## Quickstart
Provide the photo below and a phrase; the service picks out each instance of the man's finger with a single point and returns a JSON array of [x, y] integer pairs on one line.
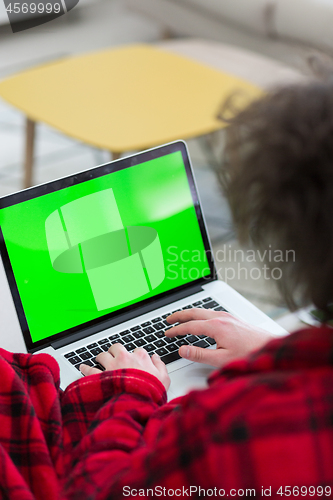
[[140, 351], [190, 315], [161, 367], [89, 370], [158, 362], [116, 349], [212, 357], [105, 359], [195, 327]]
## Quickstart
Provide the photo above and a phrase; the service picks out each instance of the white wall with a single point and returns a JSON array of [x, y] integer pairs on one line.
[[3, 14]]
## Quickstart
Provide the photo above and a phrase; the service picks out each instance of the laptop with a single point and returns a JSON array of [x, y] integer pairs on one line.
[[106, 255]]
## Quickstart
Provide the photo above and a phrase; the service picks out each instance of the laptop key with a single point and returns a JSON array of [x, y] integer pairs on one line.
[[159, 326], [150, 338], [176, 310], [130, 346], [91, 346], [198, 303], [220, 308], [149, 329], [87, 362], [211, 305], [160, 343], [162, 351], [82, 349], [118, 341], [181, 342], [188, 307], [103, 341], [160, 334], [172, 347], [125, 332], [191, 339], [128, 338], [166, 315], [114, 337], [74, 360], [106, 347], [166, 323], [95, 351], [149, 347], [99, 366], [210, 341], [138, 334], [147, 323], [139, 342], [172, 356], [156, 320], [201, 343], [135, 328], [69, 354], [169, 340], [86, 355], [207, 299]]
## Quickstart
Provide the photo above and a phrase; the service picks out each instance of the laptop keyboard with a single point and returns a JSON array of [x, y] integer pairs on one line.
[[150, 335]]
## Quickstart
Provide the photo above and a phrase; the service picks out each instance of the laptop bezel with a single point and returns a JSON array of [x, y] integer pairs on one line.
[[78, 178]]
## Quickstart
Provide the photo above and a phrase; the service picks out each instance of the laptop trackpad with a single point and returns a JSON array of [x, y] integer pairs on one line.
[[193, 376]]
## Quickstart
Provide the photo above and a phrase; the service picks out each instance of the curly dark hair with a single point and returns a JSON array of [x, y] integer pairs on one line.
[[278, 178]]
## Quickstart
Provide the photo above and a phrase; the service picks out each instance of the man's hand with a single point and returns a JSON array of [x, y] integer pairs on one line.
[[234, 338], [118, 357]]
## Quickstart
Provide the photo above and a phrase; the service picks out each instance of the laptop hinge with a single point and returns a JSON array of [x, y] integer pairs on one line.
[[125, 317]]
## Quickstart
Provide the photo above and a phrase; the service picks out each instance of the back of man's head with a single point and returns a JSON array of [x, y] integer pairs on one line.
[[279, 156]]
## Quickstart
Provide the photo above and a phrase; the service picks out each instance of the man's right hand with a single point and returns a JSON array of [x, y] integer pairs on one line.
[[234, 338]]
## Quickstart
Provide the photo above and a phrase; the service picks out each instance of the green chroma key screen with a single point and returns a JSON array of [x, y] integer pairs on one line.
[[93, 248]]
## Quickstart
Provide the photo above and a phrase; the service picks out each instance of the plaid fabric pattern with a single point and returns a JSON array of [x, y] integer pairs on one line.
[[265, 421], [30, 426]]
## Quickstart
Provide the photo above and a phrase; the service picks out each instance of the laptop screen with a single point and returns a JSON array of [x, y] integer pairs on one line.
[[81, 249]]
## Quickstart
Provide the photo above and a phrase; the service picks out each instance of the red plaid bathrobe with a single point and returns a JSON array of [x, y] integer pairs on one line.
[[265, 421]]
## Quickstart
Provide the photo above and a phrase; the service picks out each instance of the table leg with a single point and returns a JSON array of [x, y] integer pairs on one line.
[[114, 156], [29, 151], [166, 33]]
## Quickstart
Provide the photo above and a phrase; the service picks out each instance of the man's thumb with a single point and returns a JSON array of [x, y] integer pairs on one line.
[[207, 356]]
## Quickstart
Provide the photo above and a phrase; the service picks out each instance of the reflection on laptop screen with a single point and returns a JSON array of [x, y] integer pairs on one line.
[[93, 248]]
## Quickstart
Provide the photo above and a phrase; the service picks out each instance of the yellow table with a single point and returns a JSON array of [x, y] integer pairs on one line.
[[124, 99]]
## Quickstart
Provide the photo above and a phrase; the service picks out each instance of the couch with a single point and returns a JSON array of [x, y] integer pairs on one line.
[[282, 29]]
